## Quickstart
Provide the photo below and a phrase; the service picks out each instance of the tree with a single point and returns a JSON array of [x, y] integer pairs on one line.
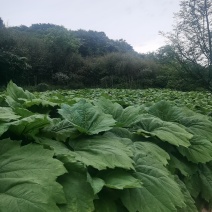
[[191, 38], [13, 67], [1, 24], [93, 43]]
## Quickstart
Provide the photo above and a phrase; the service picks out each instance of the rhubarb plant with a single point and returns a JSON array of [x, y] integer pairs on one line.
[[84, 155]]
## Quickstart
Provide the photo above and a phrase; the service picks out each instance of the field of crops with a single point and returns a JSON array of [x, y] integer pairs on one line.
[[200, 102], [105, 150]]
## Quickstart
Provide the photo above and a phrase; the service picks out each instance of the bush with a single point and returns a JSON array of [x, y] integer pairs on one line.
[[42, 87], [61, 78]]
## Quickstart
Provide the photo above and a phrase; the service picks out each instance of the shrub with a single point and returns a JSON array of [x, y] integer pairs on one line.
[[42, 87]]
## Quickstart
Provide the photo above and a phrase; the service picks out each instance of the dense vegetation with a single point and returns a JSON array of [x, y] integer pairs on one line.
[[74, 154], [50, 54], [111, 149], [191, 38], [197, 101]]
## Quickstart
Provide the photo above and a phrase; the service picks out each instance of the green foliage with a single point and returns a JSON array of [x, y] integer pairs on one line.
[[165, 131], [29, 184], [124, 117], [61, 78], [115, 154], [54, 55], [198, 101], [96, 155], [42, 87], [97, 43], [86, 118], [191, 40], [17, 93], [81, 196], [12, 67], [156, 181]]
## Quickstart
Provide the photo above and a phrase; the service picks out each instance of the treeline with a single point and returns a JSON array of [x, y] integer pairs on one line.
[[53, 55]]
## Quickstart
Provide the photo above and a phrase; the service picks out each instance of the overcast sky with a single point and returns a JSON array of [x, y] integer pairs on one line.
[[136, 21]]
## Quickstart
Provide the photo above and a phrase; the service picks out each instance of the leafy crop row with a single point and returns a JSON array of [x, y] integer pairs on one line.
[[199, 101], [84, 156]]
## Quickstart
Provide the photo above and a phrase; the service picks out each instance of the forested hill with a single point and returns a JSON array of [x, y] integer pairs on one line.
[[54, 55], [30, 55], [86, 43]]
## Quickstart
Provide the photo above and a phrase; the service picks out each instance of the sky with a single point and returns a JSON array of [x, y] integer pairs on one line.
[[138, 22]]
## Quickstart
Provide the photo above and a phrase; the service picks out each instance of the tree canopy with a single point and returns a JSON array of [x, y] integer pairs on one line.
[[51, 54], [191, 38]]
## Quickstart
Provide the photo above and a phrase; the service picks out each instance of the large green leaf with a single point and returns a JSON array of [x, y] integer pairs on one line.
[[205, 175], [165, 131], [200, 150], [109, 107], [102, 152], [124, 117], [198, 125], [21, 100], [29, 125], [185, 167], [7, 115], [189, 201], [151, 148], [40, 106], [18, 108], [28, 178], [193, 184], [58, 147], [166, 111], [119, 179], [122, 132], [195, 123], [87, 118], [200, 183], [60, 130], [78, 191], [3, 127], [96, 183], [17, 93], [12, 103], [38, 102], [159, 190]]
